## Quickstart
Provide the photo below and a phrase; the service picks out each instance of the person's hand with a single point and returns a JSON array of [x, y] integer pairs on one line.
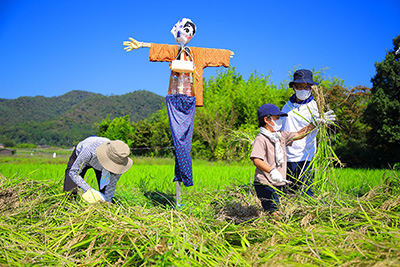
[[276, 176], [93, 196], [329, 118], [132, 44]]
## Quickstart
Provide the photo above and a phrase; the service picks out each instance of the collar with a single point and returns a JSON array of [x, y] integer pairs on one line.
[[294, 100], [273, 136]]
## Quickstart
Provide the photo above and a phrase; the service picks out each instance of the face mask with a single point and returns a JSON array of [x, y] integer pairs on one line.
[[302, 94], [277, 126]]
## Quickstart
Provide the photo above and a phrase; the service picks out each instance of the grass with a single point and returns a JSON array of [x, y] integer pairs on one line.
[[39, 226], [158, 173], [359, 182], [353, 220]]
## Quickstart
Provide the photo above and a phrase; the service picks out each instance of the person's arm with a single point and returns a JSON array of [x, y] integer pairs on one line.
[[79, 163], [276, 176], [328, 118], [134, 44], [261, 165], [304, 132]]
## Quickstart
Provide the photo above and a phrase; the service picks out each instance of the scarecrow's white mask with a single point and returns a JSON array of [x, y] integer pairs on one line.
[[183, 31]]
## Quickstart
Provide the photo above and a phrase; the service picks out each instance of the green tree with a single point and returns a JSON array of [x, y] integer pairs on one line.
[[160, 139], [102, 127], [230, 104], [218, 115], [119, 129], [151, 137], [349, 139], [383, 111], [140, 143]]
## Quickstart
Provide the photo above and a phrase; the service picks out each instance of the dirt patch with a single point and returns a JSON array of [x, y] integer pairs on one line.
[[239, 213], [8, 196], [8, 199], [240, 205]]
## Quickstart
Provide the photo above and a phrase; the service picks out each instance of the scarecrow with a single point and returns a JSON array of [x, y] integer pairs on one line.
[[185, 90]]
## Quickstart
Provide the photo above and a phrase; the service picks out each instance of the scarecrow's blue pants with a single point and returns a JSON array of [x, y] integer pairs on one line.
[[181, 110]]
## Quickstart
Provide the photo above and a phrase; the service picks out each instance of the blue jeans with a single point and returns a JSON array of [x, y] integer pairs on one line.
[[268, 196], [301, 175]]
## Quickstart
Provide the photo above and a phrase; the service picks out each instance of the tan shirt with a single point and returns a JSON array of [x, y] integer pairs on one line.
[[202, 57], [264, 149]]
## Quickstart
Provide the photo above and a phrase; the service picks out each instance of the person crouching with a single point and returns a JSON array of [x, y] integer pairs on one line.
[[109, 159]]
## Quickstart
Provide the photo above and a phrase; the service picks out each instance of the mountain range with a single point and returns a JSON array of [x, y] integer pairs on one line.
[[64, 120]]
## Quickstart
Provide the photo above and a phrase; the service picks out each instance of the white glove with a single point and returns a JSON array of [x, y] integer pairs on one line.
[[329, 118], [93, 196], [276, 176], [132, 44]]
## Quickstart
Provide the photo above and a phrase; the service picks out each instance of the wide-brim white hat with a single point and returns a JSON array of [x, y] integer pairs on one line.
[[114, 156]]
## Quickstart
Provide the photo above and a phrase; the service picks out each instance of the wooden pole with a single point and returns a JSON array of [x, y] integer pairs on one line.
[[178, 194]]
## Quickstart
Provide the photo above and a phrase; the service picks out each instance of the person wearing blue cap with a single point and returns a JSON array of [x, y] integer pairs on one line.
[[269, 155], [301, 109]]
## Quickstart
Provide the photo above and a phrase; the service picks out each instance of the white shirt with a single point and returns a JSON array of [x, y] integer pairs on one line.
[[299, 116]]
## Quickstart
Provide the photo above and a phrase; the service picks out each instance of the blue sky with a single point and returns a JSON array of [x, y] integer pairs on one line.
[[49, 48]]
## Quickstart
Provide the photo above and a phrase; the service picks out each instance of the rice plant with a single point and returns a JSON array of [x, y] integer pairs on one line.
[[226, 227]]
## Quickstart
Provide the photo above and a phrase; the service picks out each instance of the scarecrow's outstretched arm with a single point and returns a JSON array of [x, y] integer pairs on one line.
[[133, 44]]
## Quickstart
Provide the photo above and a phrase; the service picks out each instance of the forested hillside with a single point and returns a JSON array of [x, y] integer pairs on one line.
[[65, 119], [39, 108]]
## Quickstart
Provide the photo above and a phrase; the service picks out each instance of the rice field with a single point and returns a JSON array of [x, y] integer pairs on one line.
[[157, 174], [353, 221]]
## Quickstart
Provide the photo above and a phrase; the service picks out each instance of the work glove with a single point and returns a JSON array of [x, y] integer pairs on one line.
[[276, 176], [132, 44], [329, 118], [93, 196]]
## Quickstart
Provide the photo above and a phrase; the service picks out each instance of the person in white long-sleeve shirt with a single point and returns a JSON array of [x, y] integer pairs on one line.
[[301, 109], [109, 159]]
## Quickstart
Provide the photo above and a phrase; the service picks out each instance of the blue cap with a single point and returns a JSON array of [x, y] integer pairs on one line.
[[269, 109], [302, 76]]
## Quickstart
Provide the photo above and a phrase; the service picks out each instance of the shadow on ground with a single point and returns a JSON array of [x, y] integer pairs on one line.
[[160, 199]]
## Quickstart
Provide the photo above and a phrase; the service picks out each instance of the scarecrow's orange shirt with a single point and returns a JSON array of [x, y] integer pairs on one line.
[[202, 57]]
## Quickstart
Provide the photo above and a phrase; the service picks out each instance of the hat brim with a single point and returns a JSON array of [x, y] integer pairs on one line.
[[108, 164], [280, 114], [302, 81]]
